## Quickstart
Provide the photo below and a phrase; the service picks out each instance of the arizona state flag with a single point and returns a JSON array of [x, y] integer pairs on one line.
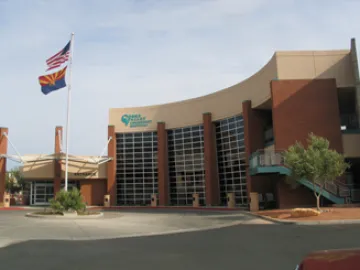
[[52, 82]]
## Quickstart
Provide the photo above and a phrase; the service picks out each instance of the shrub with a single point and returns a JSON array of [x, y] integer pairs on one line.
[[304, 212], [67, 200]]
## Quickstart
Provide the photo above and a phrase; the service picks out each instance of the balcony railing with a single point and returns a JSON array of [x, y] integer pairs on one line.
[[355, 195], [269, 158], [266, 159]]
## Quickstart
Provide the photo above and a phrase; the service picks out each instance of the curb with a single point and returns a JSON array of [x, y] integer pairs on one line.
[[274, 220], [169, 207], [31, 215], [238, 209], [328, 222], [304, 223], [12, 208]]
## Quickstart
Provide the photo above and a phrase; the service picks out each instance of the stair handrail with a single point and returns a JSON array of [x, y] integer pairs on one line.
[[264, 157]]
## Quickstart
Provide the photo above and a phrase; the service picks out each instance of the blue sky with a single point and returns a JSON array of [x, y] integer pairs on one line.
[[143, 52]]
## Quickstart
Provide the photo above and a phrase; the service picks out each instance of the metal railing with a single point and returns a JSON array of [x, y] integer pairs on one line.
[[349, 121], [355, 194], [268, 158]]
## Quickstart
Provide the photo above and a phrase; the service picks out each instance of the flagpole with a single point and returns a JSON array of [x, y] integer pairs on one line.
[[68, 112]]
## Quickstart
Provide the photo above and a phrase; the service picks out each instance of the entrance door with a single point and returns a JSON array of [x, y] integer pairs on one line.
[[43, 192]]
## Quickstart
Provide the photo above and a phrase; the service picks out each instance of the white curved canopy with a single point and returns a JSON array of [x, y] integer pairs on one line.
[[61, 156]]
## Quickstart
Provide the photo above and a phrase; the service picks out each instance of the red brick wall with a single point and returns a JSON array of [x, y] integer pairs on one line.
[[301, 107], [304, 106], [57, 163], [163, 175], [211, 175], [254, 128], [93, 191], [111, 166], [288, 197], [263, 183], [254, 140]]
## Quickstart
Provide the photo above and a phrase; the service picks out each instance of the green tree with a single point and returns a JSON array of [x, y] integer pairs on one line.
[[14, 181], [316, 163]]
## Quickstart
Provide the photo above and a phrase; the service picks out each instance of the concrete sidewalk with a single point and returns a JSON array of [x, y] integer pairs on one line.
[[312, 222]]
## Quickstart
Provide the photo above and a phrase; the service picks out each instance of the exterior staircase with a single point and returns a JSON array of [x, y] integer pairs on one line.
[[270, 162]]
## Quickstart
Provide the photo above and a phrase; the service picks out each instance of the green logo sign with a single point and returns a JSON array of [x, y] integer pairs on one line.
[[135, 120]]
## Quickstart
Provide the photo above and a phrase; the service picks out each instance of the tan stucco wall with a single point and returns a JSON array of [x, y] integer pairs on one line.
[[316, 64], [351, 144], [84, 170], [38, 170], [44, 170], [221, 104], [228, 102]]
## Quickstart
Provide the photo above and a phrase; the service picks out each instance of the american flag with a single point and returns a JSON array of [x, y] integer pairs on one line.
[[58, 59]]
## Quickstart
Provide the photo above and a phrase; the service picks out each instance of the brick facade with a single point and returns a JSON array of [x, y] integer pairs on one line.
[[298, 107], [254, 127], [304, 106], [212, 190], [163, 175], [289, 197], [57, 162], [93, 191], [301, 107], [111, 166]]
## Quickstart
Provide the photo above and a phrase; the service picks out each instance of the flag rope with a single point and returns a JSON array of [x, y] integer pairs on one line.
[[68, 111]]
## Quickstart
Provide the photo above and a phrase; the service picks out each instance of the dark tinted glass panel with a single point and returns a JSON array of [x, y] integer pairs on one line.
[[136, 173], [186, 165], [231, 159]]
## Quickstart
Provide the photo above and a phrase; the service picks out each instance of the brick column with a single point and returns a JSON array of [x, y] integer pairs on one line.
[[355, 68], [57, 162], [254, 140], [211, 176], [163, 167], [111, 166], [3, 150]]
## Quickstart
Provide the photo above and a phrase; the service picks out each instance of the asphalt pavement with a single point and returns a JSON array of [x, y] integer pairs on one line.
[[245, 246]]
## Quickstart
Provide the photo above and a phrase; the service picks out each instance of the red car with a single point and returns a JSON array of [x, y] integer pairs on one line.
[[337, 259]]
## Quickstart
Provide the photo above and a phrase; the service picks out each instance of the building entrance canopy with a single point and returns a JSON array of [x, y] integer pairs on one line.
[[61, 156], [41, 166]]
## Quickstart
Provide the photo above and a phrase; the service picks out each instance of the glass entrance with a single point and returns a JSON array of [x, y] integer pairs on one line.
[[43, 192]]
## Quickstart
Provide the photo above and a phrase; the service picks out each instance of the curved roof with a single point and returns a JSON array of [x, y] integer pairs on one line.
[[228, 102]]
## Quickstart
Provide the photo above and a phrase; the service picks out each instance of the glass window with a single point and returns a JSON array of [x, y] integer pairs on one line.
[[185, 177], [231, 159], [138, 167]]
